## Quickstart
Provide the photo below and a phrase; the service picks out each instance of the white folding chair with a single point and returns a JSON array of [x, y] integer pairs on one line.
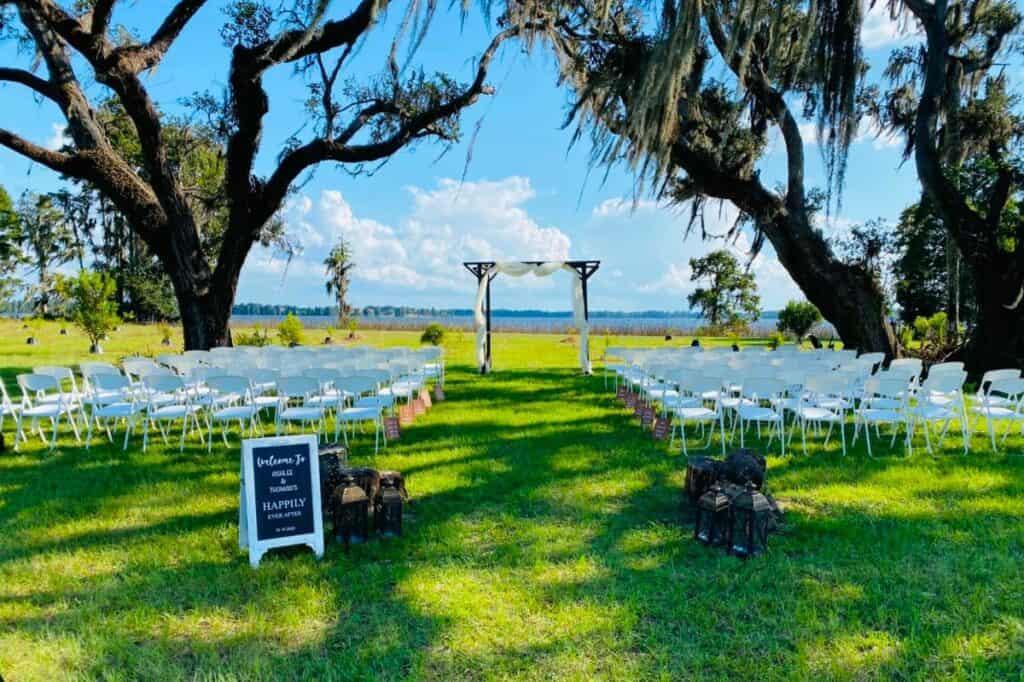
[[884, 402], [1003, 403], [758, 403], [384, 401], [8, 408], [116, 401], [92, 396], [69, 392], [873, 359], [913, 363], [42, 398], [983, 395], [709, 390], [262, 387], [941, 398], [328, 396], [941, 367], [823, 401], [231, 401], [168, 400], [357, 387], [293, 394]]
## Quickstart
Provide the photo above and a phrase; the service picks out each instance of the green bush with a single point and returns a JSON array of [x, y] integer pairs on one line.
[[166, 333], [433, 334], [798, 317], [258, 337], [776, 339], [91, 303], [906, 337], [290, 330], [931, 329]]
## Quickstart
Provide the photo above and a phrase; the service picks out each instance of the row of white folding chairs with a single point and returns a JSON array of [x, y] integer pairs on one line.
[[826, 397], [112, 396], [428, 361]]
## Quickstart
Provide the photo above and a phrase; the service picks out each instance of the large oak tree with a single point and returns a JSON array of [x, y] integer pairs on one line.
[[952, 99], [356, 123], [690, 97]]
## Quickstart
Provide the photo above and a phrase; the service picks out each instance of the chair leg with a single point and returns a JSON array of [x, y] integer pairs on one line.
[[127, 432], [56, 428], [74, 427], [721, 424], [842, 432]]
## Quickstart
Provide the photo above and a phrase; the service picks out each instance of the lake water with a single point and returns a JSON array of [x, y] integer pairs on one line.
[[681, 325]]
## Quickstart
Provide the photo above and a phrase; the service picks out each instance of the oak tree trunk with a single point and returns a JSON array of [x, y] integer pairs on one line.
[[204, 320], [204, 298], [847, 295], [997, 340]]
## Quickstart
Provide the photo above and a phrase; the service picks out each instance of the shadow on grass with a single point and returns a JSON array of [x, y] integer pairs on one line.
[[544, 540]]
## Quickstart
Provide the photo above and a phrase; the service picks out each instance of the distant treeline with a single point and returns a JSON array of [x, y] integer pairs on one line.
[[265, 309]]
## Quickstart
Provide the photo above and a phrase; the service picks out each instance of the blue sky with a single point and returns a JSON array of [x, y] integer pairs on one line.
[[526, 195]]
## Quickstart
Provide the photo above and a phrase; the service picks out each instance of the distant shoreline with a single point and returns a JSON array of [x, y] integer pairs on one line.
[[551, 324]]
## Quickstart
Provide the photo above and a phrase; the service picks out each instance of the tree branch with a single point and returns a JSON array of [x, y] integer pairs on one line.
[[293, 45], [142, 57], [30, 80], [320, 150], [101, 13], [56, 161], [68, 27], [773, 101]]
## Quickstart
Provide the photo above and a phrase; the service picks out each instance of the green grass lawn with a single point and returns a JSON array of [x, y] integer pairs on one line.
[[544, 541]]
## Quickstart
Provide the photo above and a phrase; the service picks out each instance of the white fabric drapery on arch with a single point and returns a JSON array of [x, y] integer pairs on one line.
[[518, 269]]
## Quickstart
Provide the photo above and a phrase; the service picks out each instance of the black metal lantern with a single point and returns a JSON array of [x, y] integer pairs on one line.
[[712, 523], [749, 517], [331, 457], [701, 472], [387, 509], [351, 512]]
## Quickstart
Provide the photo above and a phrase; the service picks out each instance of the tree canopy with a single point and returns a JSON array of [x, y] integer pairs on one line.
[[729, 297], [136, 160]]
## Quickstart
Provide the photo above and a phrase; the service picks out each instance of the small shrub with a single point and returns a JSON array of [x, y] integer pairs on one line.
[[776, 339], [798, 317], [290, 330], [906, 337], [931, 329], [166, 333], [258, 337], [433, 334], [91, 304], [353, 326]]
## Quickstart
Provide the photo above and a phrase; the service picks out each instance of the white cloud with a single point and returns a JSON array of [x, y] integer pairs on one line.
[[809, 133], [619, 206], [773, 282], [868, 132], [675, 280], [446, 225], [57, 138], [880, 30]]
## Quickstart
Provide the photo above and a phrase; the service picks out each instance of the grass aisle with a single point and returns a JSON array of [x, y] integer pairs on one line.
[[543, 542]]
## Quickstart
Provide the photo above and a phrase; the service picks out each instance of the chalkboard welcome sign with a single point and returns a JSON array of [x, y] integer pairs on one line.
[[279, 500]]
